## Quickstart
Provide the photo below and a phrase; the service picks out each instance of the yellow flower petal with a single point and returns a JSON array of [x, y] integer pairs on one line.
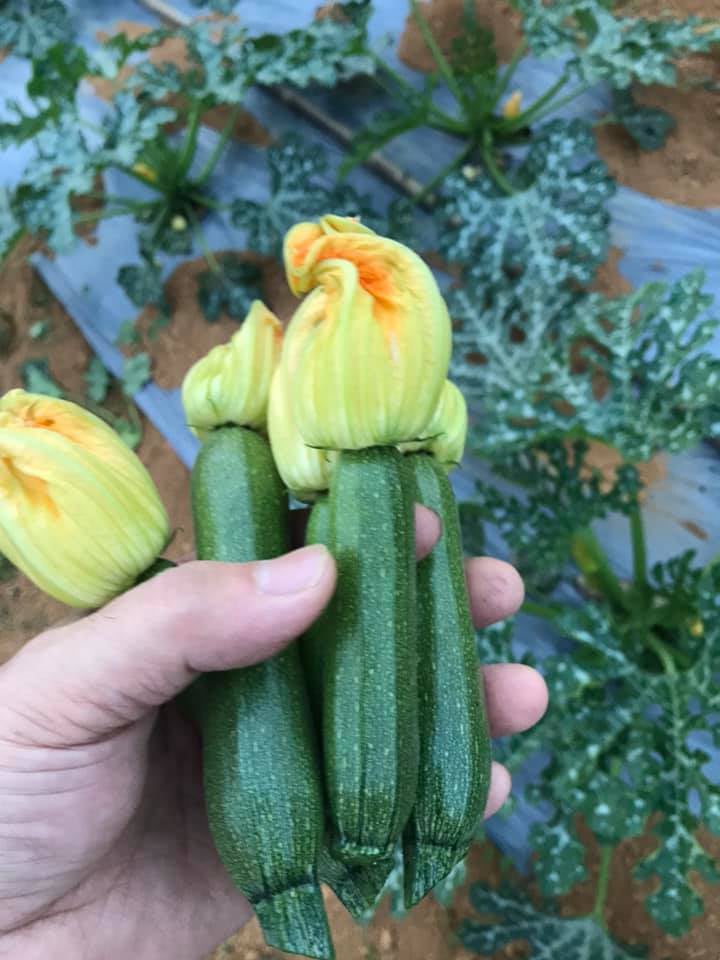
[[367, 351], [79, 514], [513, 105], [447, 431], [305, 471], [231, 384]]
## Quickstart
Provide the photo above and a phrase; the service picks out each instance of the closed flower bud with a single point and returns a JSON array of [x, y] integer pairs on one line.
[[231, 384], [513, 105], [367, 351], [79, 514], [305, 471], [447, 430]]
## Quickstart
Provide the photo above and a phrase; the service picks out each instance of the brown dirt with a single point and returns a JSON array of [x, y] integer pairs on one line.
[[445, 20], [189, 336]]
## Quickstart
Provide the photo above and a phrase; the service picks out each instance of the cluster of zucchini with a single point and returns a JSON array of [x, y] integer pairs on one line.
[[370, 733]]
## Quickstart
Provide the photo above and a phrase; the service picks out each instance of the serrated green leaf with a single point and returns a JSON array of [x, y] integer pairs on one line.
[[231, 290], [648, 126], [136, 373], [129, 127], [97, 380], [631, 371], [129, 430], [560, 857], [601, 45], [562, 495], [550, 937], [30, 28], [36, 378], [143, 284], [296, 193], [551, 232], [128, 334]]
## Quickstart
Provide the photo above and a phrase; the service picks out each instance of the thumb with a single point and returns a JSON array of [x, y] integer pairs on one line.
[[86, 680]]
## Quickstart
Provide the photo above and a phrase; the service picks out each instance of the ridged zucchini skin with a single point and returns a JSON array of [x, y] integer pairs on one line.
[[262, 779], [455, 753], [369, 690], [357, 886]]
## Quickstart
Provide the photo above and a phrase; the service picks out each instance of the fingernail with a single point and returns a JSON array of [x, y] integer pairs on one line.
[[294, 572]]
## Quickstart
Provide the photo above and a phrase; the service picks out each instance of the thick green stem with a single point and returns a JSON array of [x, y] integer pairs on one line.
[[188, 149], [598, 912], [491, 163], [509, 71], [212, 160], [210, 257], [439, 57], [427, 190], [595, 566], [639, 548], [552, 107]]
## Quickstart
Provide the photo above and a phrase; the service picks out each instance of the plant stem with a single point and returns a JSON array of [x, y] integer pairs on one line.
[[212, 160], [526, 116], [438, 56], [552, 107], [210, 258], [598, 912], [639, 548], [441, 120], [509, 70], [188, 149], [425, 193], [663, 654], [595, 566], [493, 168], [545, 611]]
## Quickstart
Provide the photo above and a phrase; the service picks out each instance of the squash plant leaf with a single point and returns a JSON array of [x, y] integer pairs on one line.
[[551, 231], [143, 284], [30, 28], [97, 380], [230, 289], [36, 378], [298, 191], [632, 371], [598, 44], [136, 373], [613, 707], [9, 226], [550, 936], [648, 126], [560, 494]]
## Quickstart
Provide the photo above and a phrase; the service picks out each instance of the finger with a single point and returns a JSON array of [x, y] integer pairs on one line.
[[427, 531], [516, 697], [500, 785], [496, 590], [139, 651]]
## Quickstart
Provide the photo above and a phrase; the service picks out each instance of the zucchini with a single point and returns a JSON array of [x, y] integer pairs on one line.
[[357, 886], [454, 773], [369, 692], [262, 780]]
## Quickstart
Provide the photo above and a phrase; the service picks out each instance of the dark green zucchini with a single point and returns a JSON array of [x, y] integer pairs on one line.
[[357, 886], [369, 691], [454, 772], [262, 779]]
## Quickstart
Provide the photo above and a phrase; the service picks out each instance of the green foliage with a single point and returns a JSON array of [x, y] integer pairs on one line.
[[562, 496], [648, 126], [97, 380], [136, 373], [631, 371], [602, 45], [7, 570], [143, 284], [553, 229], [517, 919], [297, 192], [9, 225], [31, 27], [36, 378], [230, 289]]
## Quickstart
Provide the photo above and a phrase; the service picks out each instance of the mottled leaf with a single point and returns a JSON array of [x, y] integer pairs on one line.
[[230, 290], [97, 380], [136, 373], [31, 27], [36, 378]]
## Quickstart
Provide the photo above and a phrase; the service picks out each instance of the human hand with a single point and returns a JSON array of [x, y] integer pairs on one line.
[[104, 846]]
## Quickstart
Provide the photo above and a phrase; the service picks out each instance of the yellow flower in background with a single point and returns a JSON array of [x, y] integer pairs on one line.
[[231, 384], [305, 471], [79, 513], [367, 352], [447, 431], [145, 171], [513, 105]]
